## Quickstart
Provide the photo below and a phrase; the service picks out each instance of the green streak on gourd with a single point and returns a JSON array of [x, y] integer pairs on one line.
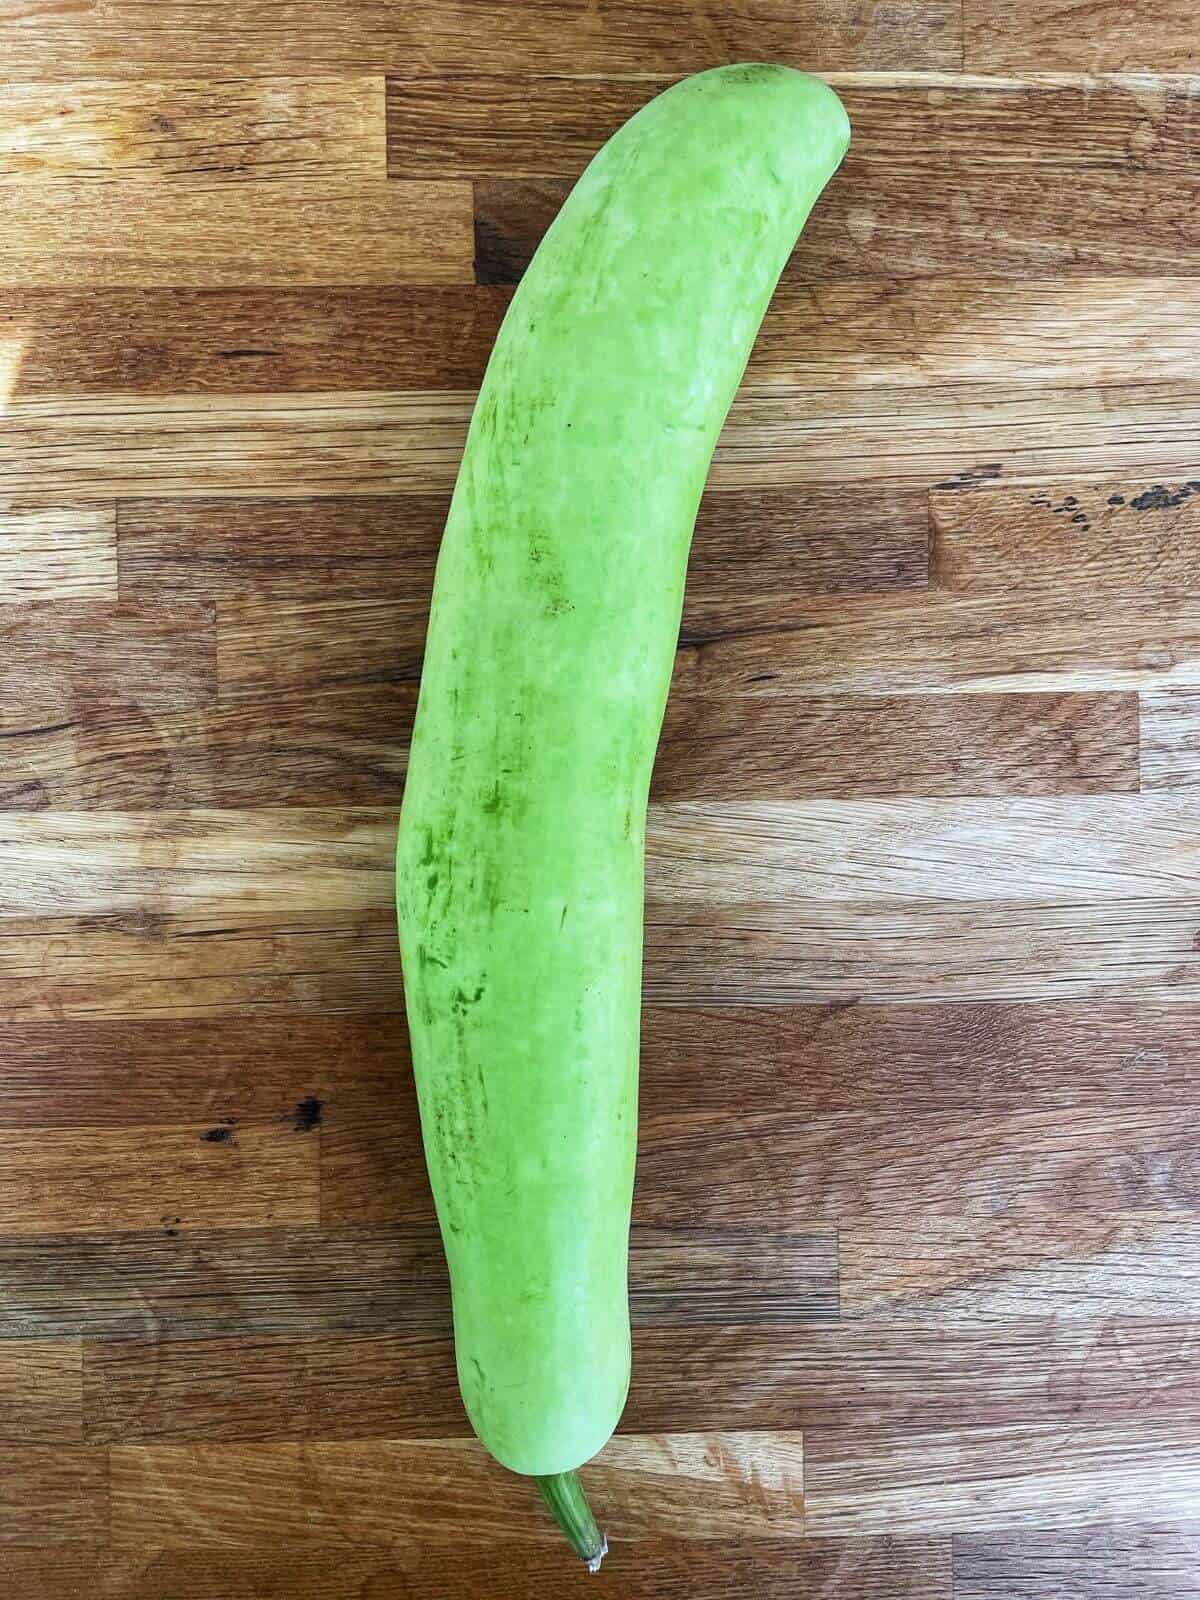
[[551, 641]]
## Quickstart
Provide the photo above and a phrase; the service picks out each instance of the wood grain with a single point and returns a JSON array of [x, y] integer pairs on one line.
[[444, 37], [193, 133], [1093, 536], [1019, 1475], [1072, 1563], [951, 1272], [348, 746], [86, 1180], [718, 1377], [950, 643], [1072, 37], [343, 746], [294, 1069], [53, 1494], [374, 1492], [166, 863], [411, 442], [170, 341], [836, 1569], [747, 547], [145, 964], [293, 232], [510, 125], [924, 950], [217, 1282], [1169, 757], [791, 747], [901, 223], [62, 659], [47, 553], [41, 1392]]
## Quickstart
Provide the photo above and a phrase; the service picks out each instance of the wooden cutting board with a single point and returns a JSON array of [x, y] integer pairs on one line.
[[916, 1258]]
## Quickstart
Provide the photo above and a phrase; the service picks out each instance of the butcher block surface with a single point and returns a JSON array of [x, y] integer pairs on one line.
[[916, 1248]]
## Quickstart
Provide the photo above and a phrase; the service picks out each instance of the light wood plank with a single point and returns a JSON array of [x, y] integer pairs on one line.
[[1072, 850], [63, 660], [1170, 740], [706, 1486], [950, 643], [193, 133], [1078, 850], [170, 341], [1091, 536], [505, 125], [294, 232], [41, 1391], [1066, 35], [164, 863], [925, 951], [410, 442], [124, 39], [53, 1494], [916, 222], [791, 747], [771, 1569], [48, 553], [1158, 1563], [88, 1180], [1021, 1475], [952, 1272]]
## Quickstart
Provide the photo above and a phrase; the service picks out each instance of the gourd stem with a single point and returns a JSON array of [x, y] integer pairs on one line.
[[563, 1493]]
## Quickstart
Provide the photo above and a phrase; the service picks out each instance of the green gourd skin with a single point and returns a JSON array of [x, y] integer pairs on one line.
[[551, 642]]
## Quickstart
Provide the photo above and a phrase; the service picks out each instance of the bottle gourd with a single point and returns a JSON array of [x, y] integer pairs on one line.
[[555, 615]]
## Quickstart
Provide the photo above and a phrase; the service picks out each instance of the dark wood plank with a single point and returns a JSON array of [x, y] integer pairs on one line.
[[1110, 536], [223, 964], [901, 224], [654, 1569], [370, 1492], [95, 1180], [720, 1377], [193, 133], [334, 36], [349, 746], [358, 548], [939, 642], [299, 1070], [1065, 36], [61, 660], [746, 545], [698, 1065], [784, 747], [53, 1494], [172, 341], [1018, 1475], [1117, 1559], [952, 1271], [341, 746], [507, 125], [291, 233], [41, 1392], [172, 1284], [55, 1571]]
